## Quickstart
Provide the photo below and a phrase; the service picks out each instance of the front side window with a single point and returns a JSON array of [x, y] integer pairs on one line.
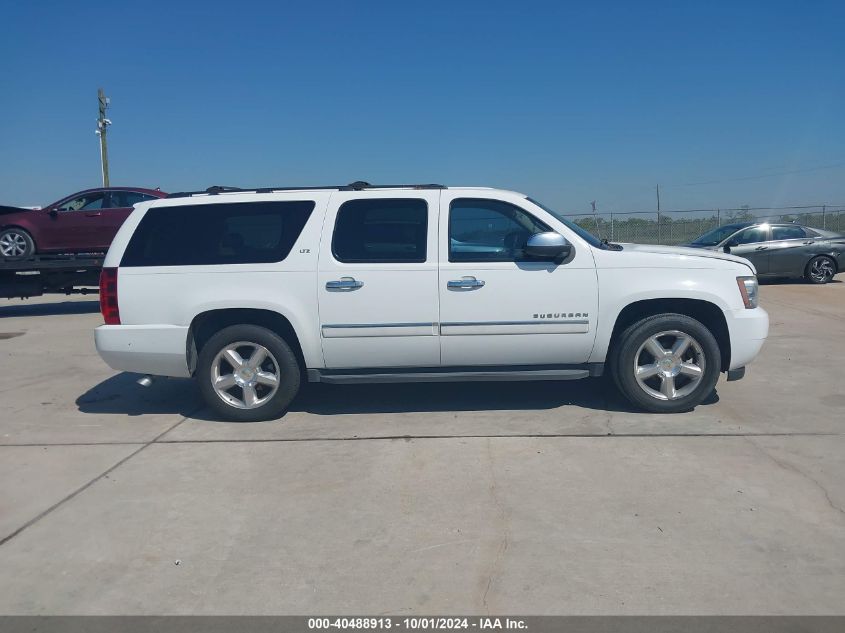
[[788, 233], [751, 236], [381, 230], [484, 230], [88, 202], [231, 233], [715, 236]]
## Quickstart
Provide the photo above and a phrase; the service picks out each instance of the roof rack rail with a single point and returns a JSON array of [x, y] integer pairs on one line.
[[221, 189], [358, 185]]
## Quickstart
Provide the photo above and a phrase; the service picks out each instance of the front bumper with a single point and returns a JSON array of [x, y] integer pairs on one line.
[[159, 350], [748, 330]]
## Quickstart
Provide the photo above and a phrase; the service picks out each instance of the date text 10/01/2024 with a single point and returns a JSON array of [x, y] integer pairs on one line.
[[419, 623]]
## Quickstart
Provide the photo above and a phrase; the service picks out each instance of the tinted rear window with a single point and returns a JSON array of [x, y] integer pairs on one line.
[[381, 230], [235, 233], [787, 233]]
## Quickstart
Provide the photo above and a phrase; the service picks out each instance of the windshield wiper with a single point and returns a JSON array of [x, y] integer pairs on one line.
[[611, 246]]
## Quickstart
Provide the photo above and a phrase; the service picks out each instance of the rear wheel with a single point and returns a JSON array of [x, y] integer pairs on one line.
[[820, 270], [16, 243], [248, 373], [666, 363]]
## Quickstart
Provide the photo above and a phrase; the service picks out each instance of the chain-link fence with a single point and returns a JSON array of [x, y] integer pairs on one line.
[[678, 227]]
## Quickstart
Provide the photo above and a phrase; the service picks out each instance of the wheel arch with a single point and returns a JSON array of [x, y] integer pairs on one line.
[[709, 314], [205, 324], [826, 254], [21, 226]]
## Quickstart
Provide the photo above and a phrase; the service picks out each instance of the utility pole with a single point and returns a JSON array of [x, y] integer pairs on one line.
[[102, 125], [596, 219]]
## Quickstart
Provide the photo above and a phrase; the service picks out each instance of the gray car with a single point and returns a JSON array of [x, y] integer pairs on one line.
[[780, 250]]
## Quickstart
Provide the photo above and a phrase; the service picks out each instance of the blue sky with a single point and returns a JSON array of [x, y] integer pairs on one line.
[[722, 103]]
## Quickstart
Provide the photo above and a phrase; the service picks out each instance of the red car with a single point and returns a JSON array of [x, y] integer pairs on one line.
[[84, 222]]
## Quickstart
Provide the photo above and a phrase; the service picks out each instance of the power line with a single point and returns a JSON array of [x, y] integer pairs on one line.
[[761, 176], [830, 207]]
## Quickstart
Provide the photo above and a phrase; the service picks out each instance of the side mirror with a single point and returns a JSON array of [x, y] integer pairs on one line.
[[727, 248], [549, 245], [53, 212]]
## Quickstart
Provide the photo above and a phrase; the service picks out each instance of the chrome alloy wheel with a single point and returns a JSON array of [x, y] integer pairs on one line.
[[669, 365], [245, 375], [822, 270], [12, 244]]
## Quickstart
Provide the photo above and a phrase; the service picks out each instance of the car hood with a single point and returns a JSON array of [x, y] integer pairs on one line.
[[8, 210], [686, 251]]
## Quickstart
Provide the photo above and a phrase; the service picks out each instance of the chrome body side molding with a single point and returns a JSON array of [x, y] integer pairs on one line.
[[460, 328]]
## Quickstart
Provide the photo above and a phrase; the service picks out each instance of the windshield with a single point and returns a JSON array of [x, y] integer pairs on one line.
[[711, 238], [584, 234]]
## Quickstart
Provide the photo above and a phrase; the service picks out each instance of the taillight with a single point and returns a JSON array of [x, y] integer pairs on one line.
[[108, 296]]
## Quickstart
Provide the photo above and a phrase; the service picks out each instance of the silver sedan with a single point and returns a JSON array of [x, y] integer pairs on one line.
[[780, 250]]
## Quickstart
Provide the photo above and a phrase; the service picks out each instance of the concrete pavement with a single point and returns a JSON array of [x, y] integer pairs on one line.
[[531, 498]]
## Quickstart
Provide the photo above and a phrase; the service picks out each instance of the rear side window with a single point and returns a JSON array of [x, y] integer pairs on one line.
[[235, 233], [788, 233], [381, 231], [121, 199]]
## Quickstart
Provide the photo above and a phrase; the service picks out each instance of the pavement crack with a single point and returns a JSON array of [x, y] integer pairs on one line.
[[370, 438], [495, 568], [87, 485], [794, 469]]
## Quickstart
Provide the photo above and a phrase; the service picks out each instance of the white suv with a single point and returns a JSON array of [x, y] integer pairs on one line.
[[253, 291]]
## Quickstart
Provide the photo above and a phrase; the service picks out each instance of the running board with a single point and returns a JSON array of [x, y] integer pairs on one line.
[[359, 376]]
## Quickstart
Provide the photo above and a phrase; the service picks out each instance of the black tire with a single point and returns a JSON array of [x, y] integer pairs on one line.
[[630, 345], [820, 270], [13, 236], [280, 356]]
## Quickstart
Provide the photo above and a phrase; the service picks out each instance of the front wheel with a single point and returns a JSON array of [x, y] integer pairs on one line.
[[16, 243], [666, 363], [820, 270], [248, 373]]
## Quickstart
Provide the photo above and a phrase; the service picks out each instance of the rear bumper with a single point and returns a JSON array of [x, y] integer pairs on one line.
[[748, 330], [145, 349]]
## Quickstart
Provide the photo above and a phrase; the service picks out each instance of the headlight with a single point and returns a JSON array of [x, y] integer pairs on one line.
[[748, 290]]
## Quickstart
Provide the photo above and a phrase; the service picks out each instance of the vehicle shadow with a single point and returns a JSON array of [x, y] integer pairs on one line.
[[790, 281], [121, 395], [49, 309]]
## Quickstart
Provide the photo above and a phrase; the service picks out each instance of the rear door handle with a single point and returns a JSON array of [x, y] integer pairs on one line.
[[761, 248], [465, 282], [344, 283]]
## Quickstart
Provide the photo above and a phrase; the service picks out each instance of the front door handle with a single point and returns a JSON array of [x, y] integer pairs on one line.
[[93, 215], [344, 283], [761, 248], [465, 282]]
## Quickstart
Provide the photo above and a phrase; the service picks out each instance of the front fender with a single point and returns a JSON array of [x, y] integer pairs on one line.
[[619, 288]]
